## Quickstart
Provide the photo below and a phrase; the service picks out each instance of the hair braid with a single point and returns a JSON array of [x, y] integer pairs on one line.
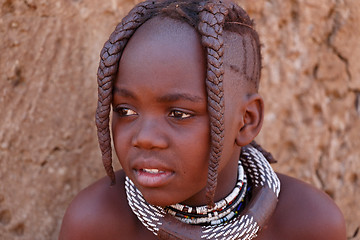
[[107, 71], [211, 23]]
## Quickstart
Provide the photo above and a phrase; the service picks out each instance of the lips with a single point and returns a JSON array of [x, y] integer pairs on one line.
[[151, 171], [152, 177]]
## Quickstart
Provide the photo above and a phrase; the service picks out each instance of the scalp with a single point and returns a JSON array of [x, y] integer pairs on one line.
[[242, 58]]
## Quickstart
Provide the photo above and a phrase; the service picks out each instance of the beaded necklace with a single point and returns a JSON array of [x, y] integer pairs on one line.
[[235, 224], [223, 210]]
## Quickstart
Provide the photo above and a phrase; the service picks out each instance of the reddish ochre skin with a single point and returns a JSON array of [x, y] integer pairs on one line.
[[160, 118], [153, 84], [101, 211]]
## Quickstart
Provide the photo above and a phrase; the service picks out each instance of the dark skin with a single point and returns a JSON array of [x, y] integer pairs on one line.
[[101, 211]]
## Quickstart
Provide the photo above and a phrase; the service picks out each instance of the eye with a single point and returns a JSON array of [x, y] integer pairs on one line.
[[177, 114], [124, 112]]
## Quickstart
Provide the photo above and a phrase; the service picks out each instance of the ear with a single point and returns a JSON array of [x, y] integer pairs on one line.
[[252, 119]]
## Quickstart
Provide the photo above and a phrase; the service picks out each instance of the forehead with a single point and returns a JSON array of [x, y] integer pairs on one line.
[[163, 52], [163, 37]]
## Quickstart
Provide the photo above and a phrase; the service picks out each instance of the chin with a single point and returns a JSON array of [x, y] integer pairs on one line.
[[159, 200]]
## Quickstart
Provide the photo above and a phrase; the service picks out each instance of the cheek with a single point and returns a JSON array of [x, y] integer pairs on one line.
[[120, 140], [197, 152]]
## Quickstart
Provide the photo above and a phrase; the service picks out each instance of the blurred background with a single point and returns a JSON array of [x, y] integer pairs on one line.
[[48, 93]]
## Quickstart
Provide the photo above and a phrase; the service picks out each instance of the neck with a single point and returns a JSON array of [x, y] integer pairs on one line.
[[226, 182], [227, 177]]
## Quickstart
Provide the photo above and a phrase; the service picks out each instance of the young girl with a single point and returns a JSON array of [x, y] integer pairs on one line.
[[182, 78]]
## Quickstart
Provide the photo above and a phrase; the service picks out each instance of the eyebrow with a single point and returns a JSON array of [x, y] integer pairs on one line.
[[123, 92], [172, 97], [180, 96]]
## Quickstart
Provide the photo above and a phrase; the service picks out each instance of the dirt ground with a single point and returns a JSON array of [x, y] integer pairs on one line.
[[48, 62]]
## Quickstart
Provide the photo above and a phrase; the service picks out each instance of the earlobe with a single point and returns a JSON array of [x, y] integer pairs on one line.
[[252, 120]]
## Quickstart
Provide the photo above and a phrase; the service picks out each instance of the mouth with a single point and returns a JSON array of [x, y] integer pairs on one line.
[[152, 177], [152, 170]]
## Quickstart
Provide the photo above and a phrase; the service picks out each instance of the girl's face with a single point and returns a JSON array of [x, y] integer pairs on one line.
[[160, 121]]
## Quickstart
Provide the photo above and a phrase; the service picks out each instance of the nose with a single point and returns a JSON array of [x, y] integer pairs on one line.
[[150, 135]]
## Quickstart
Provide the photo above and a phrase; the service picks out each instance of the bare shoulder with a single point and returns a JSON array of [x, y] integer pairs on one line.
[[303, 212], [100, 211]]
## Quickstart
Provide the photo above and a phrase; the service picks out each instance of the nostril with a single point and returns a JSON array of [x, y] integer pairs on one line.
[[149, 136]]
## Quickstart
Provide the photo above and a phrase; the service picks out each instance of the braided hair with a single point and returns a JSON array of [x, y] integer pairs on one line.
[[210, 18]]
